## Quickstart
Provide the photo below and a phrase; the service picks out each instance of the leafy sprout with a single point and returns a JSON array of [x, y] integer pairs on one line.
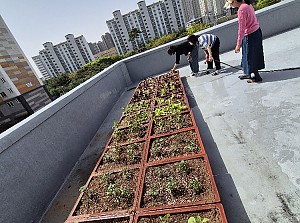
[[197, 219]]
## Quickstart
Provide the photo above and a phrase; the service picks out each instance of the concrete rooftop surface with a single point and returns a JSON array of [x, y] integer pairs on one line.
[[251, 133]]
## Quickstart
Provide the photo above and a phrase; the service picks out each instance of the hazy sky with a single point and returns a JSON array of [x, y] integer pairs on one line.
[[34, 22]]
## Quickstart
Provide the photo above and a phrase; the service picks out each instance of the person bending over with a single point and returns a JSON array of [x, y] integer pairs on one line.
[[188, 50], [211, 46]]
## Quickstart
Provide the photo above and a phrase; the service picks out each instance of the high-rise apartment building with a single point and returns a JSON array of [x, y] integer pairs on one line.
[[154, 20], [211, 9], [104, 45], [191, 9], [65, 57], [202, 10], [21, 91], [94, 48], [108, 41]]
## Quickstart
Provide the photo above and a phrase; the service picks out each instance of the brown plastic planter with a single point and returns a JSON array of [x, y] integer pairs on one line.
[[192, 132], [207, 170], [192, 211], [103, 219], [178, 206], [106, 214], [185, 113], [100, 167], [129, 140]]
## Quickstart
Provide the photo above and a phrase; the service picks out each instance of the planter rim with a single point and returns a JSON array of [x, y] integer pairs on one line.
[[121, 167], [169, 159], [218, 206], [118, 213], [210, 175]]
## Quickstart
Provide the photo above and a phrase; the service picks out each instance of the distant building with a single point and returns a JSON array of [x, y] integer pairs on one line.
[[107, 41], [106, 47], [211, 10], [21, 91], [191, 10], [94, 48], [206, 11], [154, 20], [106, 53], [65, 57]]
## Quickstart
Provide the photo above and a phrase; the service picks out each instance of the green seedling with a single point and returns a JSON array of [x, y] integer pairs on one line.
[[115, 125], [126, 174], [171, 185], [194, 184], [162, 91], [164, 219], [183, 167], [153, 192], [103, 177], [82, 189], [197, 219]]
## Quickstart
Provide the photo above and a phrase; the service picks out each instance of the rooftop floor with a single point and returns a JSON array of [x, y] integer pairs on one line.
[[250, 132]]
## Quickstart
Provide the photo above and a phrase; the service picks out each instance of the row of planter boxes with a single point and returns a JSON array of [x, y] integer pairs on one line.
[[154, 168]]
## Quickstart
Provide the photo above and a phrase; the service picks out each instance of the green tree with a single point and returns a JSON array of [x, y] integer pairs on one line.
[[134, 34], [264, 3], [197, 27]]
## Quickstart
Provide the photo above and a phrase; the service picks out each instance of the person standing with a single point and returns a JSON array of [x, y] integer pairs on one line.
[[188, 50], [250, 40], [211, 46]]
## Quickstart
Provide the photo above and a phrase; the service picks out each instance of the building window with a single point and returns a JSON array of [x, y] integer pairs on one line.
[[3, 80], [10, 90], [3, 95], [10, 104], [17, 101]]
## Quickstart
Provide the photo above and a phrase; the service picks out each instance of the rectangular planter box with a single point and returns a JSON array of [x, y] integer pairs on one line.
[[182, 182], [107, 188], [123, 137], [172, 123], [103, 219], [214, 212], [175, 145], [191, 183], [119, 157]]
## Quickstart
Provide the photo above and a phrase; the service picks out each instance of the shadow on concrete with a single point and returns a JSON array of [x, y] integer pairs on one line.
[[230, 198], [280, 75]]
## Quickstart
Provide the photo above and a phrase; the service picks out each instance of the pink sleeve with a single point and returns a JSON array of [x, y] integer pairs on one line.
[[242, 26]]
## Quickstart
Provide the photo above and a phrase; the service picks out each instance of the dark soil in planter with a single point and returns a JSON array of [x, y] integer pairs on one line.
[[172, 123], [213, 215], [168, 100], [144, 91], [184, 143], [167, 91], [137, 106], [168, 77], [138, 116], [120, 156], [109, 192], [177, 183], [129, 134], [170, 109]]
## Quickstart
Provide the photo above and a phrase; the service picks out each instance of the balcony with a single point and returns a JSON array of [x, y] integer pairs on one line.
[[250, 131]]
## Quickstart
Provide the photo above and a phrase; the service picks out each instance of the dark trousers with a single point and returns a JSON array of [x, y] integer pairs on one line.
[[215, 50], [194, 64]]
